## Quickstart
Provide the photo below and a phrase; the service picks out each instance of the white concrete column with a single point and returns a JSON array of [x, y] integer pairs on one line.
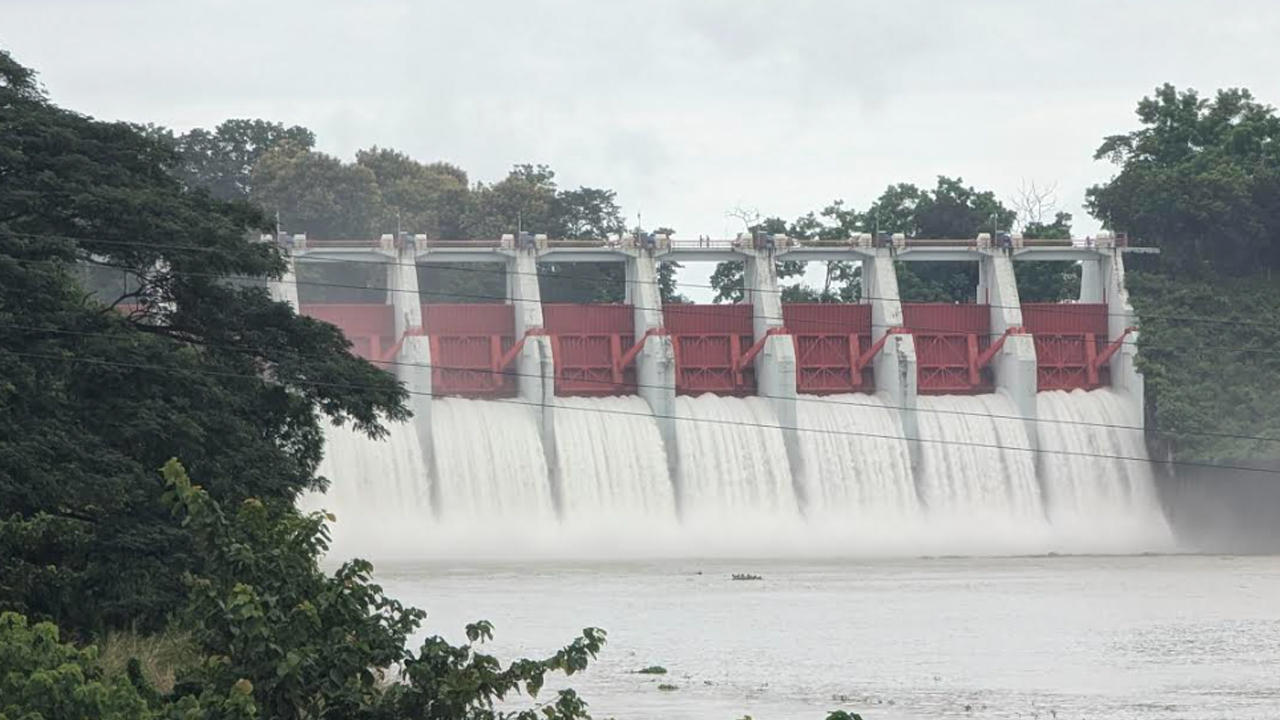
[[1120, 316], [656, 363], [402, 288], [1015, 365], [285, 289], [775, 365], [895, 365], [534, 367]]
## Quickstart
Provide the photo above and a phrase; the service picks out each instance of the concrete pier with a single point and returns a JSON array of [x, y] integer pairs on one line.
[[895, 364], [1015, 365]]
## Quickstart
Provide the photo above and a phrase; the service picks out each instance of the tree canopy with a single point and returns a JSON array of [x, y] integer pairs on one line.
[[186, 358], [1200, 179]]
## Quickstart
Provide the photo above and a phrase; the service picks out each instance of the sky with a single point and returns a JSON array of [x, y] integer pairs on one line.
[[688, 109]]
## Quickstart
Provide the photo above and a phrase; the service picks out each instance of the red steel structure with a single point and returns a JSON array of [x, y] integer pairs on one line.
[[833, 347], [952, 343], [370, 328], [591, 345], [1072, 344], [473, 347], [710, 342]]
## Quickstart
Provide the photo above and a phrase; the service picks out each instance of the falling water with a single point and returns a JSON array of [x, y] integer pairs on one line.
[[1099, 485], [611, 464], [734, 484], [490, 468], [856, 466], [378, 490], [977, 477]]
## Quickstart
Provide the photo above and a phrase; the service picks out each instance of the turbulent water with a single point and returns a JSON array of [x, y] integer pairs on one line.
[[734, 473], [977, 477], [611, 467], [737, 483], [378, 491], [490, 467], [1098, 484], [856, 466]]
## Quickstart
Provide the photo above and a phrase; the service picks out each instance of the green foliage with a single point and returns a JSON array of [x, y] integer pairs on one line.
[[93, 400], [950, 210], [1200, 180], [302, 644], [843, 715], [1222, 374], [222, 160], [43, 677], [1048, 281], [652, 670], [667, 687]]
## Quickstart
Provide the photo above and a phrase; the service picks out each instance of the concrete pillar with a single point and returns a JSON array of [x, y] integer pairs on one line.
[[534, 367], [285, 289], [895, 364], [1121, 316], [775, 365], [1015, 365], [656, 363], [402, 288]]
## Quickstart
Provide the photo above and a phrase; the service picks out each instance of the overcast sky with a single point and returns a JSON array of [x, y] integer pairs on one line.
[[686, 108]]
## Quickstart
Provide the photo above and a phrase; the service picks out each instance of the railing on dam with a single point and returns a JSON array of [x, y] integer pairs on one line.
[[590, 344], [831, 340], [951, 340], [709, 342], [470, 345], [1070, 339]]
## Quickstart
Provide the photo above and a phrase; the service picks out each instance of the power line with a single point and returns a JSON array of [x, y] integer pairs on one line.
[[1065, 307], [678, 418], [801, 397]]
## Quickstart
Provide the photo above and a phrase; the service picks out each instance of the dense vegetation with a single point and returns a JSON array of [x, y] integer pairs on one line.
[[1200, 179]]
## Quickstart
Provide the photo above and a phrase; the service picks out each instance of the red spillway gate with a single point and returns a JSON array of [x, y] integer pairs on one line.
[[1070, 339], [470, 346], [589, 344], [830, 340], [709, 341], [950, 342], [370, 328]]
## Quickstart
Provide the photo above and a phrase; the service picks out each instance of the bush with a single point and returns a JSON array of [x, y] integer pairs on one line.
[[43, 677]]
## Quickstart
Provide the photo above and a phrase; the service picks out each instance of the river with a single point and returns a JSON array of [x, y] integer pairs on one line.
[[1190, 637]]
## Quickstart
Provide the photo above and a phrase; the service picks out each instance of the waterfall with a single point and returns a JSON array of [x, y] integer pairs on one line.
[[856, 467], [489, 490], [611, 469], [1098, 501], [977, 478], [490, 469], [378, 491], [734, 485]]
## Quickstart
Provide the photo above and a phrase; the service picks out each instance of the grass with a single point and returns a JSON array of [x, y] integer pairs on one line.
[[161, 656], [668, 688], [652, 670]]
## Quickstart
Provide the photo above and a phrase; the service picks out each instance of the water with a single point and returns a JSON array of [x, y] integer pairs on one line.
[[856, 467], [490, 466], [1100, 489], [977, 479], [611, 472], [1104, 638], [844, 487], [734, 485], [378, 490]]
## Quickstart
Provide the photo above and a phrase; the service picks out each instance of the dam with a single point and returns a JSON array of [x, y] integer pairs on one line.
[[761, 428]]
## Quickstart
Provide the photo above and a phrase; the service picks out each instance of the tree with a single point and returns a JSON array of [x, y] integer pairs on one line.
[[318, 194], [952, 210], [1200, 180], [95, 395], [417, 197], [222, 160], [1053, 280], [305, 644]]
